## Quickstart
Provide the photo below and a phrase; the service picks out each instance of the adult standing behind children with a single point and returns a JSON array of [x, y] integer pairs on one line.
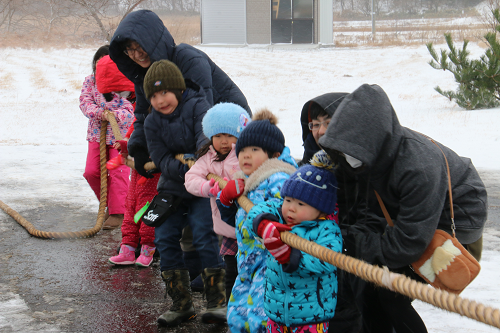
[[94, 106], [410, 174], [141, 39], [315, 117]]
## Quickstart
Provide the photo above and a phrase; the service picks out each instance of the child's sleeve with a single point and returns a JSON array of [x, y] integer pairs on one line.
[[269, 210], [196, 177], [163, 158], [88, 104], [227, 214], [122, 109]]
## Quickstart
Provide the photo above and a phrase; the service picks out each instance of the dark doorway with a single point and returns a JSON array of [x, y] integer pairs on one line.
[[292, 21]]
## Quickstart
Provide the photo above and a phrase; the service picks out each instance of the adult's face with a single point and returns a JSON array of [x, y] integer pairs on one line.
[[137, 54], [319, 127]]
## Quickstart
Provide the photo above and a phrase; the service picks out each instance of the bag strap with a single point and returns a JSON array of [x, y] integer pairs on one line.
[[386, 213]]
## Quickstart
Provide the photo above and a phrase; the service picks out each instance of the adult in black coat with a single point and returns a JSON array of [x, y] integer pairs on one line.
[[141, 39], [409, 173]]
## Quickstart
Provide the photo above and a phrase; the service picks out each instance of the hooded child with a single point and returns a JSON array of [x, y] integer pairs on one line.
[[94, 105]]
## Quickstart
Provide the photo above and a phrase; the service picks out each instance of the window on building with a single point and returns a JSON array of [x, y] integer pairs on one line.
[[292, 21]]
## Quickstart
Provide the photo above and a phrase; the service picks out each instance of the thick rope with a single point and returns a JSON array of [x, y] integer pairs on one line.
[[381, 276], [102, 203]]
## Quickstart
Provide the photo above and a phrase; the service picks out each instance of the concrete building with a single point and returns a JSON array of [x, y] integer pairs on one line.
[[243, 22]]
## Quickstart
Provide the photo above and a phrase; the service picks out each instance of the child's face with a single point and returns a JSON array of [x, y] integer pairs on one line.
[[295, 211], [223, 142], [319, 127], [164, 101], [250, 158], [137, 54]]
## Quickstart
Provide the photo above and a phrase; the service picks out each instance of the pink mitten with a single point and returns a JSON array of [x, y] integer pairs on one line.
[[206, 188]]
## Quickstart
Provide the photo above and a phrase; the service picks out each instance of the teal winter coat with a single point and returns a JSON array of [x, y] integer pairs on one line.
[[304, 291]]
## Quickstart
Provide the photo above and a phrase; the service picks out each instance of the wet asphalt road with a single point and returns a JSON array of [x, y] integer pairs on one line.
[[69, 284]]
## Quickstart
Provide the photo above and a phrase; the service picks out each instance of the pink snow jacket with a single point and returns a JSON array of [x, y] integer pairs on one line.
[[93, 103], [196, 177]]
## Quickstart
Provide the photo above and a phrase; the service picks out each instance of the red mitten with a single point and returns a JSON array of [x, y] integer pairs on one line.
[[123, 148], [278, 249], [234, 189], [268, 229], [115, 162], [142, 180]]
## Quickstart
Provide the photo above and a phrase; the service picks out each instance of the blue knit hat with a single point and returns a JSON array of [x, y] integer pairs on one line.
[[227, 118], [262, 132], [314, 184]]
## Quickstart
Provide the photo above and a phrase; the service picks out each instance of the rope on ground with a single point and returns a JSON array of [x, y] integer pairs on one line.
[[375, 274], [30, 228]]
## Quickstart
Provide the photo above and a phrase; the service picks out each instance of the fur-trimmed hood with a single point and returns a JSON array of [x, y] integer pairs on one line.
[[284, 163]]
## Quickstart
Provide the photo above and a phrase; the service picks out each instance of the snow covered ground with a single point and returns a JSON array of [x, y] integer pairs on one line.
[[42, 131]]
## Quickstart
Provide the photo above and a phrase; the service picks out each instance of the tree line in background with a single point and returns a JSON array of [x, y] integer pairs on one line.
[[400, 8], [89, 18]]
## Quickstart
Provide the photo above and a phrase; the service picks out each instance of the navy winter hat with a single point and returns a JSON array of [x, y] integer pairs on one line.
[[314, 185], [262, 132], [227, 118]]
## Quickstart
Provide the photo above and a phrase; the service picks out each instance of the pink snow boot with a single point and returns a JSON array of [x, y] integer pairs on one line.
[[146, 257], [125, 257]]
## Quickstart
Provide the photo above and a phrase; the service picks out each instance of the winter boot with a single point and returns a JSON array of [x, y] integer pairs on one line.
[[177, 283], [112, 222], [215, 293]]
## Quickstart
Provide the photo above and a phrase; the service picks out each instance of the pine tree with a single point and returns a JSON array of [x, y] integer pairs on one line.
[[478, 79]]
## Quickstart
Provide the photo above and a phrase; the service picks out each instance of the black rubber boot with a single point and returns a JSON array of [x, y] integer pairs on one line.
[[177, 284], [215, 293]]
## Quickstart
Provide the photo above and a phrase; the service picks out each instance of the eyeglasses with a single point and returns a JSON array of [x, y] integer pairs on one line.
[[316, 126], [130, 51]]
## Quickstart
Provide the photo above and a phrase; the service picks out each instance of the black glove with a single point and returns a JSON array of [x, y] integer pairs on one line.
[[141, 157]]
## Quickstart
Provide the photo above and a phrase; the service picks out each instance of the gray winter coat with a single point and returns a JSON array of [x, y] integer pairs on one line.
[[409, 172]]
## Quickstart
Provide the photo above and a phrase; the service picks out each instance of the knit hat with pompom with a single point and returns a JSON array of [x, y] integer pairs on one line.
[[315, 184], [262, 132]]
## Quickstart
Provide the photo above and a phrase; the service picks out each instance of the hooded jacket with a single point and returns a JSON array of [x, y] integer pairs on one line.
[[147, 29], [328, 102], [177, 133], [409, 173]]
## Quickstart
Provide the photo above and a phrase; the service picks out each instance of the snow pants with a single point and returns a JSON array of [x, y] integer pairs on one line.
[[137, 196], [118, 179]]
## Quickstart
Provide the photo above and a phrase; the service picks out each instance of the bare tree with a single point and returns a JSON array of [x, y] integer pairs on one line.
[[105, 19]]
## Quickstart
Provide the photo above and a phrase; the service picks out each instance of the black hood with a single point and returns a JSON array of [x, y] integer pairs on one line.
[[365, 126], [329, 102], [147, 29]]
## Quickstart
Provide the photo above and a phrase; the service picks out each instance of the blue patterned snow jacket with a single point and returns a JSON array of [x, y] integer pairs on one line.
[[245, 309], [304, 291]]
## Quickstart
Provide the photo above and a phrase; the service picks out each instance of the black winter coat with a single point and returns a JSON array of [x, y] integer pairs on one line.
[[409, 173], [147, 29], [177, 133]]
